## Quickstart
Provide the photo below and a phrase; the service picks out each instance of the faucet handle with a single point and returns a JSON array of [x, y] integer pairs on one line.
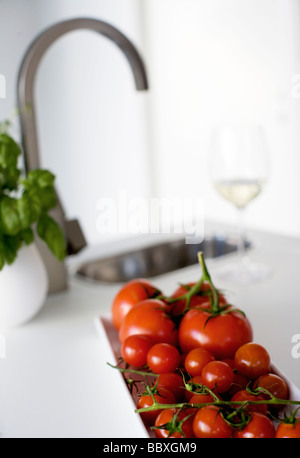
[[75, 237]]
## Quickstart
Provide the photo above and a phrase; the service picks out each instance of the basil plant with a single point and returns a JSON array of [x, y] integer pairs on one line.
[[24, 204]]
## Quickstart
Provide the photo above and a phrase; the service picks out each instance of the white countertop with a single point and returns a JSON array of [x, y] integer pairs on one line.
[[54, 381]]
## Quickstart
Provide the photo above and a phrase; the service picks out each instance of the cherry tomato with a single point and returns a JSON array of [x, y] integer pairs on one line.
[[289, 430], [162, 396], [201, 299], [274, 384], [243, 396], [201, 399], [163, 358], [252, 360], [209, 423], [172, 382], [149, 318], [222, 335], [196, 359], [217, 376], [167, 415], [259, 426], [129, 295], [135, 348], [239, 381]]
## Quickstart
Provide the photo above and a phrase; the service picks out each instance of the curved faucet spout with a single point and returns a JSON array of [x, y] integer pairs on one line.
[[26, 78], [32, 59]]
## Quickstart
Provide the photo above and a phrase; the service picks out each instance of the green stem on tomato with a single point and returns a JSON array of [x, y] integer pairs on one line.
[[221, 403], [133, 371], [215, 307]]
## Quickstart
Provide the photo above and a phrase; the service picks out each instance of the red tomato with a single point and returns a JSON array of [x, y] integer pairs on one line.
[[217, 376], [209, 423], [239, 381], [201, 399], [252, 360], [289, 430], [201, 299], [243, 396], [259, 426], [149, 318], [135, 348], [162, 396], [274, 384], [222, 335], [167, 415], [196, 359], [172, 382], [163, 358], [129, 295]]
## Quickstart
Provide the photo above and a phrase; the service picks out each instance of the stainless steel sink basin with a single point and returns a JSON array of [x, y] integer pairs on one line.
[[154, 260]]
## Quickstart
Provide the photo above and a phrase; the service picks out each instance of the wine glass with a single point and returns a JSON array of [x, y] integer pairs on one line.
[[239, 172]]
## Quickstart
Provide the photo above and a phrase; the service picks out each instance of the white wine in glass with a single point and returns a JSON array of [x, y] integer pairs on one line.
[[239, 172], [240, 191]]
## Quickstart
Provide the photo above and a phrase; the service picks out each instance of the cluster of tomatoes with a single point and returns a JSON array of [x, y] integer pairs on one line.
[[203, 362]]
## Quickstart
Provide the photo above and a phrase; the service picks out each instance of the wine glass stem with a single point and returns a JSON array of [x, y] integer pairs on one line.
[[241, 236]]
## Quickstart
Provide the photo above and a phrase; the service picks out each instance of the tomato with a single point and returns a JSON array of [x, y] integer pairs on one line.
[[252, 360], [274, 384], [135, 348], [222, 334], [239, 381], [217, 376], [289, 430], [259, 426], [162, 358], [209, 423], [162, 396], [243, 396], [201, 399], [196, 359], [167, 416], [149, 318], [172, 382], [129, 295], [201, 299]]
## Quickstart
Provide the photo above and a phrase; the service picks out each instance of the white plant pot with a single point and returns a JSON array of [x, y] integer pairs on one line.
[[23, 288]]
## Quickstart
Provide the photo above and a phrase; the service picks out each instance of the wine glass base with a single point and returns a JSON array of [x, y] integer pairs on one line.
[[244, 272]]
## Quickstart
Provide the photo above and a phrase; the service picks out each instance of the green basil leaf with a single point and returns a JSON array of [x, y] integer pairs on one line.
[[28, 211], [11, 246], [53, 236], [40, 178], [47, 198], [27, 236], [11, 177], [10, 220], [9, 151]]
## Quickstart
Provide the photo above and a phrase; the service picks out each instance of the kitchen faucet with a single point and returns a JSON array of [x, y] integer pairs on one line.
[[57, 272]]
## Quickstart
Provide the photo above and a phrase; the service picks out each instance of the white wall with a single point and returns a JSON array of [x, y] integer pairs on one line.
[[91, 120], [218, 61]]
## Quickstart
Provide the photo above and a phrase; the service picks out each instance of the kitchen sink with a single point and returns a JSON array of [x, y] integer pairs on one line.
[[154, 260]]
